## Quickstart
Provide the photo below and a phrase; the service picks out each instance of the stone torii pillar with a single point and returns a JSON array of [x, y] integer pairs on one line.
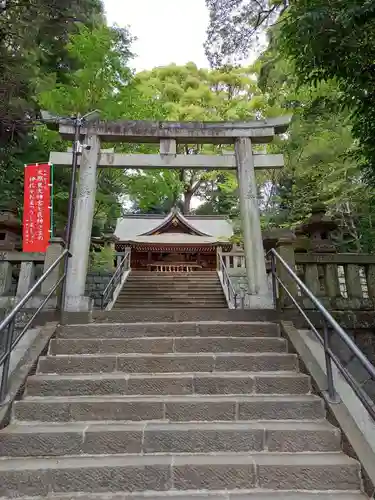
[[260, 295], [75, 300]]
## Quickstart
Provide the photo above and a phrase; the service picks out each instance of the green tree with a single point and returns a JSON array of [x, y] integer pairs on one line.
[[325, 40], [33, 37], [105, 82], [237, 25], [189, 93], [319, 166], [99, 77], [336, 40]]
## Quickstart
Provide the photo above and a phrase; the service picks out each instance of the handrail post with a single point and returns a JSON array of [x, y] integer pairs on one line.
[[6, 364], [285, 248], [219, 252], [123, 266], [328, 361], [274, 281]]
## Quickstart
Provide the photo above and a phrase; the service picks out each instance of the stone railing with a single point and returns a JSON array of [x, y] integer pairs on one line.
[[340, 281], [234, 260], [18, 272]]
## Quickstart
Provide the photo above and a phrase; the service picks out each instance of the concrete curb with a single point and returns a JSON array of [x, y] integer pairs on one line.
[[343, 414]]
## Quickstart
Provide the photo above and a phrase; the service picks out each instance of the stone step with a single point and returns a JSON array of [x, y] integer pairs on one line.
[[167, 345], [173, 286], [203, 437], [203, 278], [174, 294], [41, 476], [238, 494], [151, 300], [180, 283], [201, 329], [166, 363], [171, 408], [171, 274], [162, 305], [169, 384], [182, 315], [188, 285]]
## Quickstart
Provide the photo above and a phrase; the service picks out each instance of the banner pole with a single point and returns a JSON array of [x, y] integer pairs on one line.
[[52, 195]]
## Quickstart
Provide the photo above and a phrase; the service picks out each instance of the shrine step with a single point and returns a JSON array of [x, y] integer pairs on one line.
[[162, 304], [168, 408], [326, 471], [153, 301], [33, 440], [173, 295], [168, 329], [177, 276], [172, 290], [127, 302], [192, 290], [237, 494], [170, 344], [168, 363], [178, 384], [182, 314]]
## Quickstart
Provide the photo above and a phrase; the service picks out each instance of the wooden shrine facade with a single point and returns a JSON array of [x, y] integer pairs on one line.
[[172, 244]]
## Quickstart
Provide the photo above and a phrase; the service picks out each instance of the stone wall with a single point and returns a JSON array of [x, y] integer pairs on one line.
[[239, 280], [96, 283]]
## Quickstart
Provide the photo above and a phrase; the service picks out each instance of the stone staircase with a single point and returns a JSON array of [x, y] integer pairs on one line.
[[172, 290], [179, 410]]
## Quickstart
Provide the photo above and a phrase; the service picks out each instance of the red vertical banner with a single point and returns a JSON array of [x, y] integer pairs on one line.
[[37, 207]]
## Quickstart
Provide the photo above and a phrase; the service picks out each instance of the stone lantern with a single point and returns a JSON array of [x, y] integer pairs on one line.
[[272, 236], [315, 234], [109, 240], [10, 229]]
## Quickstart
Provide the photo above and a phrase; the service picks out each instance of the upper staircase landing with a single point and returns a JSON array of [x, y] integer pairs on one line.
[[153, 290]]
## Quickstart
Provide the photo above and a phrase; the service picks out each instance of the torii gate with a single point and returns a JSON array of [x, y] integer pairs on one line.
[[168, 135]]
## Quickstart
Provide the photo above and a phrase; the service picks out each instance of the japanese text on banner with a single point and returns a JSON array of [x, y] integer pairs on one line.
[[37, 214]]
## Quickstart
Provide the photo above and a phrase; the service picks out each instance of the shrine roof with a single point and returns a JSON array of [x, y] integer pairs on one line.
[[209, 228], [174, 238]]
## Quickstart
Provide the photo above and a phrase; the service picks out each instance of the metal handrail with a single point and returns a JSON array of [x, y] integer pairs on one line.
[[8, 323], [325, 341], [114, 281], [227, 281]]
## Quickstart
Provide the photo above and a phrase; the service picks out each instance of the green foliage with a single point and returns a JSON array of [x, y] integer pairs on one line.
[[102, 260], [101, 56], [319, 166], [96, 75], [324, 40], [237, 25], [336, 40], [189, 93]]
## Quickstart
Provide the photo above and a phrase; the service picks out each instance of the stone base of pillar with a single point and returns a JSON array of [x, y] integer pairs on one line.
[[259, 301], [79, 303]]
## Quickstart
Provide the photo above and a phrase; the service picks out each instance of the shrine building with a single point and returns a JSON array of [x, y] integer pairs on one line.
[[173, 243]]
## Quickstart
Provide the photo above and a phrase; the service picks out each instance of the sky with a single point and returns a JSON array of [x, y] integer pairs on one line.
[[167, 30]]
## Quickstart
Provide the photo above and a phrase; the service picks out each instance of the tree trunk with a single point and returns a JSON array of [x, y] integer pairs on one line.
[[187, 202]]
